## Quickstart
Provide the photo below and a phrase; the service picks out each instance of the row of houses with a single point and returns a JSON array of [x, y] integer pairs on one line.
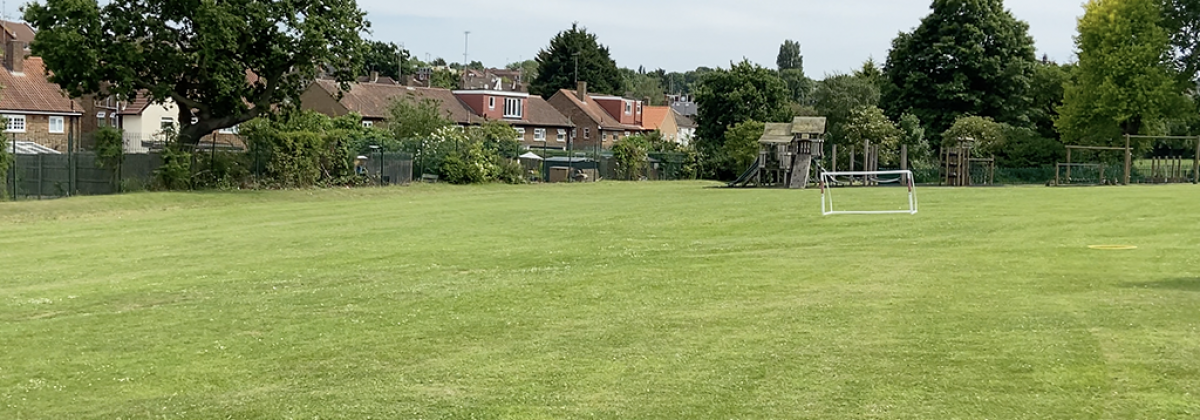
[[39, 112]]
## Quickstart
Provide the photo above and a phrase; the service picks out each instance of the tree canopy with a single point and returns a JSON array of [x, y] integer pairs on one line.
[[386, 58], [727, 97], [556, 64], [1181, 19], [968, 57], [789, 57], [837, 97], [223, 63], [1123, 83]]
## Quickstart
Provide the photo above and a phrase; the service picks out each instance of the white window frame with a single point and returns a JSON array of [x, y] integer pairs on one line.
[[562, 135], [101, 119], [628, 107], [228, 130], [62, 124], [368, 123], [513, 108], [520, 131], [539, 134], [491, 103], [167, 120], [639, 107], [11, 125]]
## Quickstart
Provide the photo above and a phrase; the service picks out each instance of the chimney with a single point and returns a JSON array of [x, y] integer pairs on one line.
[[14, 56], [581, 90]]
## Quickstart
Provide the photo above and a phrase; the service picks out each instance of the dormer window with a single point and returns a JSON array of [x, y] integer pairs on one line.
[[512, 108], [639, 108], [491, 102], [628, 108]]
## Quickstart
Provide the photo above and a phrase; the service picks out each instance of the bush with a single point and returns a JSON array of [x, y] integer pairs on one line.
[[304, 148], [630, 154], [176, 170]]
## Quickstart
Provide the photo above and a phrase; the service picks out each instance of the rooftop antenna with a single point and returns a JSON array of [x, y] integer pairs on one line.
[[466, 45]]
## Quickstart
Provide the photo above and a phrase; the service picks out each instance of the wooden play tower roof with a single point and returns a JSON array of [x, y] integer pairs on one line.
[[801, 128]]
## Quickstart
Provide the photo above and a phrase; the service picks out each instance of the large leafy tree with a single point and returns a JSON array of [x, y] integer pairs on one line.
[[223, 63], [838, 96], [556, 64], [387, 59], [1181, 18], [968, 57], [727, 97], [1124, 82], [789, 56]]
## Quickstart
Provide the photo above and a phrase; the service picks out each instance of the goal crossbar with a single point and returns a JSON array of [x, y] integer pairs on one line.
[[827, 197]]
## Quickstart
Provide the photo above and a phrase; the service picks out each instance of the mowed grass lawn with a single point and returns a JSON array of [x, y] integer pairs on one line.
[[611, 300]]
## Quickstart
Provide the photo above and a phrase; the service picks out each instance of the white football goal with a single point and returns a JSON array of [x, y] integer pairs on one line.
[[885, 195]]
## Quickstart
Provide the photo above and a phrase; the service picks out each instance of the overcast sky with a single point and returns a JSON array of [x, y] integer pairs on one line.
[[679, 35]]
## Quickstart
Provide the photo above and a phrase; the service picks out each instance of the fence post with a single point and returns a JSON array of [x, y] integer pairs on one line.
[[41, 179], [1196, 164], [1128, 159]]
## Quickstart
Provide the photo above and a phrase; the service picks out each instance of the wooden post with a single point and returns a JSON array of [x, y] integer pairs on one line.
[[904, 162], [1196, 164], [851, 164], [992, 171], [833, 160], [867, 159], [1128, 159], [1057, 168]]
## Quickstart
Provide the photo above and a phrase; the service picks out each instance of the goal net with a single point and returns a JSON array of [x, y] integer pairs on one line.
[[885, 194]]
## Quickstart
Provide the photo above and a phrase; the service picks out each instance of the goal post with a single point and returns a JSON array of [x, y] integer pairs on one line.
[[829, 180]]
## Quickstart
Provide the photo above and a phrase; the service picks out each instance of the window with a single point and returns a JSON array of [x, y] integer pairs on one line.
[[512, 108], [167, 124], [100, 119], [539, 134], [562, 135], [57, 125], [626, 134], [639, 108], [16, 123], [587, 133], [491, 102], [628, 107], [367, 123], [520, 132], [228, 130]]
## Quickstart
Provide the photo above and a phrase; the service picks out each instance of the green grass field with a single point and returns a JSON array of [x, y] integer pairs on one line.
[[611, 300]]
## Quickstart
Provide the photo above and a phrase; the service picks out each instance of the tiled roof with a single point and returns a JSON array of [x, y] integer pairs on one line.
[[30, 91], [653, 117], [596, 113], [683, 121], [136, 106], [19, 30], [374, 100], [540, 112]]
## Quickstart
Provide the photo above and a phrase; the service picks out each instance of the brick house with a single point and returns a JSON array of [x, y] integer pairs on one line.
[[36, 109], [539, 123], [599, 120]]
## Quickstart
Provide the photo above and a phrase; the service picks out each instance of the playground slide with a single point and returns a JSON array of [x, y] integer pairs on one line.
[[742, 180]]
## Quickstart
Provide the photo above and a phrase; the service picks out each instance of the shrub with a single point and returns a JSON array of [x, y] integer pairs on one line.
[[176, 170]]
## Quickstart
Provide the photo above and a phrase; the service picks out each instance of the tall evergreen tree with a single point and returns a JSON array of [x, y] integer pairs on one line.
[[967, 57], [789, 56], [556, 65], [1124, 82]]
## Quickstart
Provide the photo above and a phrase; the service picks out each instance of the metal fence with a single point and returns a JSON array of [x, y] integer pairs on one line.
[[61, 175]]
